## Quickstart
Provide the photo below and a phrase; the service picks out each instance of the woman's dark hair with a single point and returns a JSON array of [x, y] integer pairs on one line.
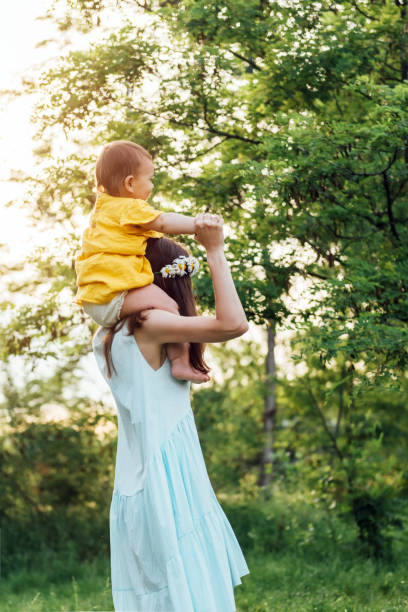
[[160, 252]]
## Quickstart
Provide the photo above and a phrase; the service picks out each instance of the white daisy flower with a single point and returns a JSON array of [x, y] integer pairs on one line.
[[180, 267], [165, 271]]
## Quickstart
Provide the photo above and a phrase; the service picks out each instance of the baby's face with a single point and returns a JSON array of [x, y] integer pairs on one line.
[[142, 181]]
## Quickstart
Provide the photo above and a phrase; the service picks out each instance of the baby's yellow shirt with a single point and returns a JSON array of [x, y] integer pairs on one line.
[[112, 257]]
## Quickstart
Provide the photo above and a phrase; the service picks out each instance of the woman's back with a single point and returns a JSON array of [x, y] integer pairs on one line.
[[149, 405]]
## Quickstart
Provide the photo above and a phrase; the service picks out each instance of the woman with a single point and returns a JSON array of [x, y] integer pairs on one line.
[[172, 547]]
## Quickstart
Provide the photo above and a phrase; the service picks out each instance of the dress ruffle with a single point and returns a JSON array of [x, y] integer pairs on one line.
[[173, 548]]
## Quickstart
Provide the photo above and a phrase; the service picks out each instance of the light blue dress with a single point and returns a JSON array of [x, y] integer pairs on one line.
[[172, 546]]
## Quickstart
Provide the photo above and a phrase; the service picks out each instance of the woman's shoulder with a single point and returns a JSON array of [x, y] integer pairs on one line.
[[99, 337], [121, 346]]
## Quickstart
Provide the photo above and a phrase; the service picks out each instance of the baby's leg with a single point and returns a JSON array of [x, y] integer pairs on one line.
[[151, 296]]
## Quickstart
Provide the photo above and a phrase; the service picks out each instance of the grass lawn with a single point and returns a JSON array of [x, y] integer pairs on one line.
[[296, 583], [302, 581]]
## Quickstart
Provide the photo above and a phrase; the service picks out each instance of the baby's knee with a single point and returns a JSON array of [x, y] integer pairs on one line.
[[150, 296], [170, 306]]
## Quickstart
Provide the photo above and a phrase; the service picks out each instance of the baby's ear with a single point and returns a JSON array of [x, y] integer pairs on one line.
[[127, 182]]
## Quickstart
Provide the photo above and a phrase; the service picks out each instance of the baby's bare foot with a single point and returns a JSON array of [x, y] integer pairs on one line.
[[183, 371]]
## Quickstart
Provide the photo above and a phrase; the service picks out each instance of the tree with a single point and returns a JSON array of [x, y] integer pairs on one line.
[[289, 119], [348, 455]]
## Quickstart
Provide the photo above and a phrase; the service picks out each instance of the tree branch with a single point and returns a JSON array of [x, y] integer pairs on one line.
[[356, 90], [400, 188], [200, 154], [210, 129], [389, 205], [143, 5], [330, 257], [341, 405], [338, 106], [190, 159], [331, 198], [246, 60], [213, 130], [325, 426], [391, 67], [365, 174], [306, 271], [362, 12]]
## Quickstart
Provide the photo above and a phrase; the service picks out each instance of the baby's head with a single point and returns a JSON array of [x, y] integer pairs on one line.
[[124, 169]]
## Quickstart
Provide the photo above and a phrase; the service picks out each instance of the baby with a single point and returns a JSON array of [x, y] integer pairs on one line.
[[114, 276]]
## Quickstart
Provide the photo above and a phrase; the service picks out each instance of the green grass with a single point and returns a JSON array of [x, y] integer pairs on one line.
[[295, 583], [300, 560], [300, 581], [85, 586]]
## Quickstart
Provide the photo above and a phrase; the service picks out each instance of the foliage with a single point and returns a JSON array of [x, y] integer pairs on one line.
[[348, 451], [53, 478], [229, 415], [352, 461], [291, 120], [300, 113]]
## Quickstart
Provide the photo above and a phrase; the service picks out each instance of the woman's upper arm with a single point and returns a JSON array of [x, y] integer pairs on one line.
[[165, 327]]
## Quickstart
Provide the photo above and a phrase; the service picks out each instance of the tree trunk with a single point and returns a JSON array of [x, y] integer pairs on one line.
[[270, 411], [404, 61]]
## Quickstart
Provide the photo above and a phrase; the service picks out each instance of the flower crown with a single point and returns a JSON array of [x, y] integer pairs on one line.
[[181, 265]]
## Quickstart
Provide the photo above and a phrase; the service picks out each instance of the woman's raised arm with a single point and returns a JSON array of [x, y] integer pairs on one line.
[[229, 321]]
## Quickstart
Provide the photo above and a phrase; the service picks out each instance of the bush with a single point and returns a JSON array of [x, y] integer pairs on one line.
[[55, 481]]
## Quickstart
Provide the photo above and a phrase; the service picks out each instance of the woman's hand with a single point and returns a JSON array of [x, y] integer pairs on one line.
[[209, 231]]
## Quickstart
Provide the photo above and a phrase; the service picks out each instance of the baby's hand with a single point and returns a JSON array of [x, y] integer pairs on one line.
[[209, 231], [199, 216]]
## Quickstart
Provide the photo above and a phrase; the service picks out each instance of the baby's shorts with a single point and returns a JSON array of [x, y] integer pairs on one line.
[[107, 314]]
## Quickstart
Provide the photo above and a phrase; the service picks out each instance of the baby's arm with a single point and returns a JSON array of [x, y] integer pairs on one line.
[[173, 223], [150, 296]]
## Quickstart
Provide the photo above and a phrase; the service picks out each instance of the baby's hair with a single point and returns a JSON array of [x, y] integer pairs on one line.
[[116, 161]]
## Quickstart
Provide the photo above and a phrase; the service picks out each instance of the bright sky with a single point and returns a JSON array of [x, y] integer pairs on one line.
[[19, 35]]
